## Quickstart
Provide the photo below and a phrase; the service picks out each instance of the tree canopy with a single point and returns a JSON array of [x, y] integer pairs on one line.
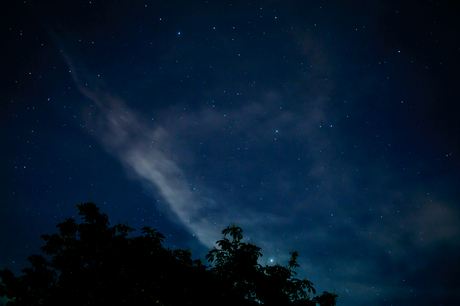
[[91, 263]]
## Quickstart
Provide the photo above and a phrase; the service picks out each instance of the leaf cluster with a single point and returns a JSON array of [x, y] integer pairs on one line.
[[91, 263]]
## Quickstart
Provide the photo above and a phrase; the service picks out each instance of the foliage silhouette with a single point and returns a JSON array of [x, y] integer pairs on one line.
[[94, 264], [237, 270]]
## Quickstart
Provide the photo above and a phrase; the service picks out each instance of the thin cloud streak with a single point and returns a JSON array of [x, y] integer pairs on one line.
[[145, 151]]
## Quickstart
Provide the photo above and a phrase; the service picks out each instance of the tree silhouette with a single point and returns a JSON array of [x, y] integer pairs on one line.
[[236, 267], [93, 264]]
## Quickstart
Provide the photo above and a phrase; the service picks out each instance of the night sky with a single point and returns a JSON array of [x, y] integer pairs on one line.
[[330, 128]]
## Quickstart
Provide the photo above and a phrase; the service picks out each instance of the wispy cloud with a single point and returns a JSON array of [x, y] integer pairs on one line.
[[149, 153]]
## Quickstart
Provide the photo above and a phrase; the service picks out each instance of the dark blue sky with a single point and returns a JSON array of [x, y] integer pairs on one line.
[[327, 127]]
